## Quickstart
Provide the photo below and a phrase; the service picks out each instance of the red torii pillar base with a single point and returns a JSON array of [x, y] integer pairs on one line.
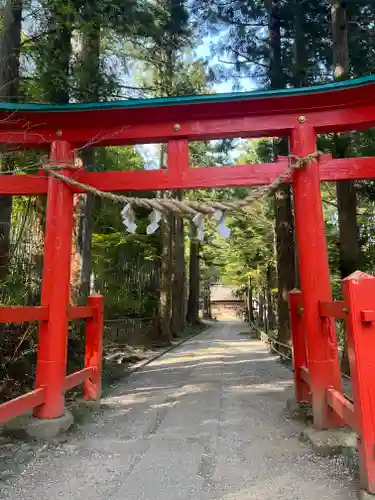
[[53, 334], [27, 427]]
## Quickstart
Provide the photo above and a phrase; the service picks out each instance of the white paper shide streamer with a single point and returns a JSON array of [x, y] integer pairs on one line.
[[128, 218], [182, 208], [155, 217], [199, 222], [221, 225]]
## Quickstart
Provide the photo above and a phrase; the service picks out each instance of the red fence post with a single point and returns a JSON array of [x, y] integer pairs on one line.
[[359, 294], [53, 334], [321, 338], [94, 347], [299, 344]]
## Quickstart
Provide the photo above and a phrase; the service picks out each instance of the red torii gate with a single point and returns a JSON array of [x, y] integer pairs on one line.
[[300, 114]]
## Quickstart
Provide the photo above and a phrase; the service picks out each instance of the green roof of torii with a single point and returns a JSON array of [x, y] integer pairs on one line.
[[186, 100]]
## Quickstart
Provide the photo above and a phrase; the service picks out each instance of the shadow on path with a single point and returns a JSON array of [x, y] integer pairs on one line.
[[205, 421]]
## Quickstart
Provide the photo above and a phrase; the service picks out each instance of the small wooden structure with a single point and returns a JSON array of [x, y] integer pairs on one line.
[[225, 303]]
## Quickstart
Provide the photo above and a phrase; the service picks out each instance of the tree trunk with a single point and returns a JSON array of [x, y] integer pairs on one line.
[[164, 315], [166, 271], [275, 72], [179, 275], [285, 259], [207, 302], [85, 234], [54, 68], [89, 90], [10, 41], [270, 285], [261, 308], [250, 310], [265, 312], [345, 190], [349, 250], [300, 53], [75, 266], [54, 59], [300, 80], [285, 250], [192, 316]]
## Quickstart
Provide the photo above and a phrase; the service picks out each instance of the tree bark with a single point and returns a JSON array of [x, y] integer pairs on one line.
[[250, 310], [300, 53], [89, 90], [10, 41], [300, 79], [54, 68], [75, 266], [54, 59], [165, 296], [85, 232], [261, 307], [345, 190], [275, 72], [207, 301], [349, 248], [265, 313], [179, 275], [270, 285], [166, 271], [285, 259], [192, 316], [285, 250]]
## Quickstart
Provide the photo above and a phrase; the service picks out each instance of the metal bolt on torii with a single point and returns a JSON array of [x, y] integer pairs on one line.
[[194, 210]]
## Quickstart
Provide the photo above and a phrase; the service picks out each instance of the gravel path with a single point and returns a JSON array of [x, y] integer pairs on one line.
[[204, 422]]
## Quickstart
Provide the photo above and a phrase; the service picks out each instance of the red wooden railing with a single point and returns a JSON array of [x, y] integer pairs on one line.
[[91, 373], [358, 310]]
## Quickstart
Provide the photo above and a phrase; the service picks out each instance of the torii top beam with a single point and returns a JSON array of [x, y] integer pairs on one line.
[[331, 107]]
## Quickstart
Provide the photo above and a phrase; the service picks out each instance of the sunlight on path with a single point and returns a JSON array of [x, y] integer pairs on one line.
[[205, 421]]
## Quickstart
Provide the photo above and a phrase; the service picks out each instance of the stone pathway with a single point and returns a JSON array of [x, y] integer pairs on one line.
[[204, 422]]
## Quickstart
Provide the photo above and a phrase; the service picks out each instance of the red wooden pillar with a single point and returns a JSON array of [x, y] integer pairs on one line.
[[94, 348], [299, 344], [53, 334], [359, 294], [321, 338], [178, 160]]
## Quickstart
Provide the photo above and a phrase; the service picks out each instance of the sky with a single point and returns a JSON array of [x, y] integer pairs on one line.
[[203, 51], [150, 152]]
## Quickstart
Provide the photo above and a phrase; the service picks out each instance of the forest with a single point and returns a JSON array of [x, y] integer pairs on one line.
[[154, 285]]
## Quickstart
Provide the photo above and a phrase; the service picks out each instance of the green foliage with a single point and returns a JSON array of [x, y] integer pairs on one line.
[[250, 249], [125, 268], [152, 44], [122, 261]]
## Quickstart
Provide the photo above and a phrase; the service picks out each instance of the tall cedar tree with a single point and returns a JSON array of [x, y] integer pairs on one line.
[[192, 313], [345, 190], [282, 199], [10, 43], [267, 58], [164, 56], [89, 90]]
